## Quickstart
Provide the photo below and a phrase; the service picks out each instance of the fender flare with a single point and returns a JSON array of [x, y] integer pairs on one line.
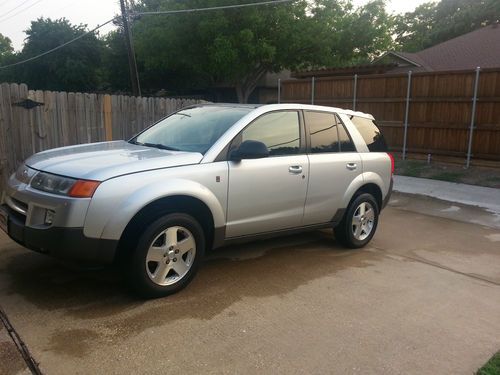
[[117, 221], [359, 182]]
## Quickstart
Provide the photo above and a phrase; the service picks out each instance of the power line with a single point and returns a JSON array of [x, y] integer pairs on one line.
[[146, 13], [16, 7], [132, 63], [212, 8], [58, 47], [22, 10]]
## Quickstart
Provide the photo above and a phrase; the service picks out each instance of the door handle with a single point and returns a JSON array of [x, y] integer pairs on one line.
[[295, 169], [351, 166]]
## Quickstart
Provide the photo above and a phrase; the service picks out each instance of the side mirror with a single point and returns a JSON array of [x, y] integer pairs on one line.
[[250, 150]]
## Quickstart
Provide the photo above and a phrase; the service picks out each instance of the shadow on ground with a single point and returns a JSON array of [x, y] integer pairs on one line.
[[260, 269]]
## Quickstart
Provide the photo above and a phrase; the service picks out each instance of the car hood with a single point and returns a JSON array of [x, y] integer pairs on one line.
[[101, 161]]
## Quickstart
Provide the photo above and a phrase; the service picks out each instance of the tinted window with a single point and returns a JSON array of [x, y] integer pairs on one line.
[[279, 131], [323, 131], [193, 129], [345, 143], [370, 133]]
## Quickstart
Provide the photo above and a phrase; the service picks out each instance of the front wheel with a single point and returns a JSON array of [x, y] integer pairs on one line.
[[359, 223], [167, 256]]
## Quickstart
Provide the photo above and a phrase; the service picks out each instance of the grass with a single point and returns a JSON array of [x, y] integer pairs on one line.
[[492, 367], [482, 176], [448, 176]]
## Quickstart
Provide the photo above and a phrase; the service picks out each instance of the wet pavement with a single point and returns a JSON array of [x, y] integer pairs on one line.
[[423, 297]]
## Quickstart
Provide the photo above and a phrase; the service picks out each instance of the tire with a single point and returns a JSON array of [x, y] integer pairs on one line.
[[357, 228], [166, 257]]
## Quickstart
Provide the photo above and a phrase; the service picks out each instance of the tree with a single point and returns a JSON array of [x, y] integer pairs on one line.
[[5, 47], [115, 71], [433, 23], [238, 47], [353, 35], [7, 56], [233, 47], [75, 67]]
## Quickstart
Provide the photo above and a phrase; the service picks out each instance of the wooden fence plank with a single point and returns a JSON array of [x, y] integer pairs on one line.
[[69, 118], [7, 149], [440, 107], [108, 121]]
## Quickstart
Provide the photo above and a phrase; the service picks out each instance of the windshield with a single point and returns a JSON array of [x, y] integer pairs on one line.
[[193, 129]]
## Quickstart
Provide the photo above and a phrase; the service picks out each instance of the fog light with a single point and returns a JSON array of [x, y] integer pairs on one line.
[[49, 217]]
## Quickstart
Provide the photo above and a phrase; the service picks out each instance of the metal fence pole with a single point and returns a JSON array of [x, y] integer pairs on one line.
[[354, 92], [407, 111], [279, 90], [312, 90], [473, 117]]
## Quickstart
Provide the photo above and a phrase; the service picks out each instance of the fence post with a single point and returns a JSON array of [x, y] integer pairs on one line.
[[473, 117], [312, 90], [279, 90], [354, 92], [407, 111]]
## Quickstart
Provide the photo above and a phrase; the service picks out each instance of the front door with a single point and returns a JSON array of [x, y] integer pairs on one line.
[[268, 194]]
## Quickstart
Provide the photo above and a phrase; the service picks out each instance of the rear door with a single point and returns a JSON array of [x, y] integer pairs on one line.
[[268, 194], [333, 164]]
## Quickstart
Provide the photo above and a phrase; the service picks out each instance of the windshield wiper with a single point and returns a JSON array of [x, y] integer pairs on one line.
[[155, 145]]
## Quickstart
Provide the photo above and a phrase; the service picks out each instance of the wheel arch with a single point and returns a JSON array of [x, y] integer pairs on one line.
[[361, 185], [372, 189], [179, 203]]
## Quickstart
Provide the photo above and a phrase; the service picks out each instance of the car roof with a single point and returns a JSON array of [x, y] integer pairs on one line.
[[274, 107]]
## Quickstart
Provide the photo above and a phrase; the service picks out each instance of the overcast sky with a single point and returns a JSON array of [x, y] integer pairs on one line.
[[16, 15]]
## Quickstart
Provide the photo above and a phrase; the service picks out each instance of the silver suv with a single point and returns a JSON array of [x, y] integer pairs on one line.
[[201, 178]]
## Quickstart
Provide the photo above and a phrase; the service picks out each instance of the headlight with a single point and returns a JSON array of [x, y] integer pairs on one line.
[[24, 174], [52, 183], [64, 185]]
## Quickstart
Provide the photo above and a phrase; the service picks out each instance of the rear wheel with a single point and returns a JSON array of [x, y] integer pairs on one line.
[[359, 223], [167, 256]]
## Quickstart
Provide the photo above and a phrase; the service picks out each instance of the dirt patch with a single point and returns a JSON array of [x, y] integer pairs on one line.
[[481, 176]]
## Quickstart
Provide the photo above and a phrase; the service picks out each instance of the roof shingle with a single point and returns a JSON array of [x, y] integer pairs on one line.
[[477, 48]]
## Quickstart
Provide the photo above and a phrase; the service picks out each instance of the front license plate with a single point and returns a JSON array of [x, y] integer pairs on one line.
[[4, 220]]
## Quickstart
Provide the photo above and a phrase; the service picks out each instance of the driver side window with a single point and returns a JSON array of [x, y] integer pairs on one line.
[[279, 131]]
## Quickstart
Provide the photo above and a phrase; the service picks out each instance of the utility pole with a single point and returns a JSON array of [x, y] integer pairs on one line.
[[132, 64]]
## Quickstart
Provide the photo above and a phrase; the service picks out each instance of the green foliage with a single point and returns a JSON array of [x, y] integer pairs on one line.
[[233, 47], [353, 36], [236, 47], [492, 367], [433, 23], [5, 47], [115, 70], [184, 53], [72, 68]]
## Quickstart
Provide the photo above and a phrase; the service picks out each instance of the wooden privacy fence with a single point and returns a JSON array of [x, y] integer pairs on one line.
[[439, 108], [33, 121]]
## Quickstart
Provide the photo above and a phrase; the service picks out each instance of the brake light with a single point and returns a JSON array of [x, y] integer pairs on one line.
[[83, 189], [392, 163]]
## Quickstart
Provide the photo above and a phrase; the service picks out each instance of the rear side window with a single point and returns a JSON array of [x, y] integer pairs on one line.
[[345, 141], [370, 133], [327, 133]]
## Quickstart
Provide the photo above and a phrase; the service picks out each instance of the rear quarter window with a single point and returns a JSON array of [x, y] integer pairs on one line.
[[370, 133]]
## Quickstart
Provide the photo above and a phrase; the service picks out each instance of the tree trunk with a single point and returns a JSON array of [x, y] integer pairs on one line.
[[243, 94], [245, 87]]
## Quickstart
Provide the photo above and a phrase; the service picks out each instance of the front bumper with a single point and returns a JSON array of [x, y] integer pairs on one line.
[[62, 243], [63, 235]]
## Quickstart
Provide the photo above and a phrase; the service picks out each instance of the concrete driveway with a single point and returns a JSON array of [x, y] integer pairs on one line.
[[423, 298]]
